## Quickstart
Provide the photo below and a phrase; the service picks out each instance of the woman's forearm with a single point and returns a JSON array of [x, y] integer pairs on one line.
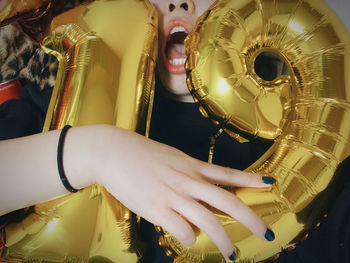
[[29, 173]]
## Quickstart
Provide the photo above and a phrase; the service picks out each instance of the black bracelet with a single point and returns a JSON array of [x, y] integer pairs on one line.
[[59, 160]]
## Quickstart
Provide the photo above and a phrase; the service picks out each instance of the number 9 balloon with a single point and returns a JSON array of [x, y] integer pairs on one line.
[[306, 113]]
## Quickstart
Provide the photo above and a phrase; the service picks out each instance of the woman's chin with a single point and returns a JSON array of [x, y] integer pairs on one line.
[[182, 95]]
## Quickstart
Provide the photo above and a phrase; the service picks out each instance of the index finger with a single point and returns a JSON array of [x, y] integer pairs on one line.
[[216, 174]]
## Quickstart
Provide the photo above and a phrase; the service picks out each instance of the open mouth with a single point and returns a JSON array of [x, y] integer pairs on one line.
[[174, 49]]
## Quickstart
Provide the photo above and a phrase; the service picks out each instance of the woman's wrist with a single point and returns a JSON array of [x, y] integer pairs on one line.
[[92, 152], [81, 155]]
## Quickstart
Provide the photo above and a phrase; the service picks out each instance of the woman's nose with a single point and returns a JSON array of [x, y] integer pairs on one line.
[[183, 5]]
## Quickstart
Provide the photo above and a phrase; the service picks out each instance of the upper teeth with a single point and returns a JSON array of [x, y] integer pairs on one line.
[[178, 29], [177, 61]]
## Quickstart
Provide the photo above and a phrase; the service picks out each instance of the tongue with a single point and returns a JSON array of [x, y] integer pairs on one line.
[[175, 47], [176, 51]]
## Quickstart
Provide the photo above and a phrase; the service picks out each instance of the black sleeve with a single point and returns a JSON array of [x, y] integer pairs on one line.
[[24, 116], [19, 118]]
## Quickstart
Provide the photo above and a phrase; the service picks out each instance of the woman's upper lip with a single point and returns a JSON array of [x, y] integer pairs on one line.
[[175, 23]]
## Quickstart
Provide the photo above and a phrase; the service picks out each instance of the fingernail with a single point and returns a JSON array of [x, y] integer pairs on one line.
[[269, 235], [233, 256], [268, 180]]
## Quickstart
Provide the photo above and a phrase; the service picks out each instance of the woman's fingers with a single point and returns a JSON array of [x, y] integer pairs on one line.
[[229, 204], [206, 221], [175, 225], [226, 176]]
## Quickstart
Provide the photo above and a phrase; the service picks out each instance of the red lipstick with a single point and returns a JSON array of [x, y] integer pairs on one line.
[[173, 48]]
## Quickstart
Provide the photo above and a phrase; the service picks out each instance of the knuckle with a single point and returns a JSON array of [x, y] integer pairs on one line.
[[231, 203], [176, 184], [226, 173], [235, 204], [181, 182], [212, 224], [185, 235], [228, 199], [160, 218]]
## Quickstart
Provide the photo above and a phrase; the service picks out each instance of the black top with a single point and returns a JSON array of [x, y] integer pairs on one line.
[[181, 125]]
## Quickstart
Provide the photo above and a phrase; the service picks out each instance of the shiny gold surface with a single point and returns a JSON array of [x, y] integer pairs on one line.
[[306, 113], [106, 52], [90, 226], [15, 8], [32, 18]]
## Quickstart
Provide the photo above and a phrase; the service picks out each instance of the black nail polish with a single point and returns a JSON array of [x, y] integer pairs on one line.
[[269, 235], [268, 180], [233, 256]]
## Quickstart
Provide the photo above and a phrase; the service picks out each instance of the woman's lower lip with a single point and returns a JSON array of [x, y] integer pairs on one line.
[[174, 69]]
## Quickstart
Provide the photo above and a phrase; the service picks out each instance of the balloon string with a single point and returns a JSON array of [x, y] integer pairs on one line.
[[212, 144]]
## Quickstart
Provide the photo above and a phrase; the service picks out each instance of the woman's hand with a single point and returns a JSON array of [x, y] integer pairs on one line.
[[153, 180], [160, 183]]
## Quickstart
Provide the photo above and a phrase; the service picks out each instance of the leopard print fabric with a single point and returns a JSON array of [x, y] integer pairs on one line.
[[21, 58]]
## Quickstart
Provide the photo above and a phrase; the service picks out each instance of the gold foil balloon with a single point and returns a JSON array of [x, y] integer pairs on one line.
[[90, 226], [11, 9], [32, 17], [106, 52], [306, 113]]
